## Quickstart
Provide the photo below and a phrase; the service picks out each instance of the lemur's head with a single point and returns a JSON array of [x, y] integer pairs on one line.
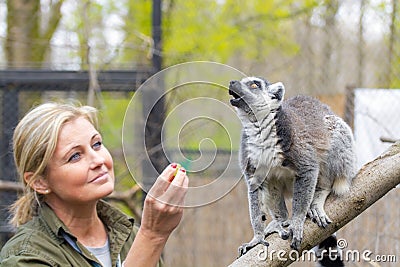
[[254, 95]]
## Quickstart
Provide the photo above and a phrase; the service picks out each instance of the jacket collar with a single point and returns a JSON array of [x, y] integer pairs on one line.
[[118, 225]]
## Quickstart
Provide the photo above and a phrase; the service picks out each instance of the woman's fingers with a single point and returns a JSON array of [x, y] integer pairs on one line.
[[176, 192], [171, 186], [169, 172], [180, 178], [163, 181]]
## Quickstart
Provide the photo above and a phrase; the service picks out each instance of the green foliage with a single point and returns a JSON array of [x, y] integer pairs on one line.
[[137, 29], [112, 116], [220, 30], [211, 30]]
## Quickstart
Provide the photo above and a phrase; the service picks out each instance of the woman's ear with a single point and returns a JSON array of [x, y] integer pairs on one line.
[[39, 185]]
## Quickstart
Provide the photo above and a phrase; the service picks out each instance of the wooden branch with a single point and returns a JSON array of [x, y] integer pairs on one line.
[[373, 181], [385, 139], [11, 186], [128, 198]]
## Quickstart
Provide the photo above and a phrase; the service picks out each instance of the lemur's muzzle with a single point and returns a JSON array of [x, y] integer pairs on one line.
[[236, 98]]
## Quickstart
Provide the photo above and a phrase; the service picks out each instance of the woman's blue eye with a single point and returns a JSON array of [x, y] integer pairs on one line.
[[97, 144], [74, 157]]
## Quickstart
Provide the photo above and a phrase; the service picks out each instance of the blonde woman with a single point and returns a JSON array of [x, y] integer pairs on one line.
[[61, 219]]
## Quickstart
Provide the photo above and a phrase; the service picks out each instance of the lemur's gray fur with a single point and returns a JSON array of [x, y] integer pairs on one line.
[[298, 146]]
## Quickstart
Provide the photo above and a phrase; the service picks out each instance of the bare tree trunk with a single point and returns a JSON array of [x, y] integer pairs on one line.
[[22, 22], [372, 182], [361, 45], [392, 41], [94, 86], [310, 55], [27, 40], [328, 56]]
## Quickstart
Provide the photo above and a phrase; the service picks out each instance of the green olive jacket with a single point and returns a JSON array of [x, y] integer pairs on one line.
[[46, 241]]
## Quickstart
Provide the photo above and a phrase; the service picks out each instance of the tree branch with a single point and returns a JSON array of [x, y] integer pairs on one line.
[[11, 186], [128, 198], [373, 181], [50, 28]]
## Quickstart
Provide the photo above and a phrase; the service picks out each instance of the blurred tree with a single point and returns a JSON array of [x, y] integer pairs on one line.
[[330, 54], [233, 29], [137, 29], [361, 45], [29, 31], [86, 56], [393, 73], [244, 34]]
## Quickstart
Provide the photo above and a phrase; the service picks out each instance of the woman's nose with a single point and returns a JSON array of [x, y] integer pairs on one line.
[[96, 159]]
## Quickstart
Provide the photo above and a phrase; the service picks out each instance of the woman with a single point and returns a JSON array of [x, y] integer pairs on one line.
[[61, 218]]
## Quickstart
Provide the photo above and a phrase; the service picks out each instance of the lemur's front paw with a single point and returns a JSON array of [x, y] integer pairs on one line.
[[276, 227], [295, 228], [319, 216], [258, 239]]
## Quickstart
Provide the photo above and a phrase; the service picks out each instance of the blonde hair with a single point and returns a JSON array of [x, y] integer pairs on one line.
[[34, 142]]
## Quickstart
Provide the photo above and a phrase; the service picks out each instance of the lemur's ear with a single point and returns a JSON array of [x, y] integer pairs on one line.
[[276, 91]]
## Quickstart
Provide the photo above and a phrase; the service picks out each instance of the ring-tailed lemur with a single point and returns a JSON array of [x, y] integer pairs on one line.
[[298, 146]]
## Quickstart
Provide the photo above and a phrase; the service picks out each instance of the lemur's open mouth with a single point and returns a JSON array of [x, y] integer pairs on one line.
[[232, 93], [236, 98]]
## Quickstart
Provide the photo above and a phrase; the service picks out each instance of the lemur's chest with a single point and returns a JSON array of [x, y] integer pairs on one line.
[[268, 164], [262, 147], [271, 156]]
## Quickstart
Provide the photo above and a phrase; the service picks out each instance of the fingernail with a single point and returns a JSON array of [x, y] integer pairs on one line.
[[182, 170], [174, 165]]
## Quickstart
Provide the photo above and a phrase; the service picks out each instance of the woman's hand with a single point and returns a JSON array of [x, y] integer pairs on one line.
[[163, 206], [162, 212]]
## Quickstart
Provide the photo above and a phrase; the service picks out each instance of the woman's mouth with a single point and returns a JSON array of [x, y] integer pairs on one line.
[[100, 178]]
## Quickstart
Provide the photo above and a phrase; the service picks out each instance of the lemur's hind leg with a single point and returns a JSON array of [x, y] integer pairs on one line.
[[277, 208], [317, 211]]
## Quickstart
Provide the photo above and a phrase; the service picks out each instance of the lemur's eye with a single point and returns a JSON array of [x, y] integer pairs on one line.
[[255, 85]]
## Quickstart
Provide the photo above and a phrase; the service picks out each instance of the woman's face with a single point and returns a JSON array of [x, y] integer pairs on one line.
[[81, 169]]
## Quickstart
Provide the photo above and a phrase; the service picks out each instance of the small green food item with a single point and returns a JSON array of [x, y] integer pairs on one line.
[[177, 169]]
